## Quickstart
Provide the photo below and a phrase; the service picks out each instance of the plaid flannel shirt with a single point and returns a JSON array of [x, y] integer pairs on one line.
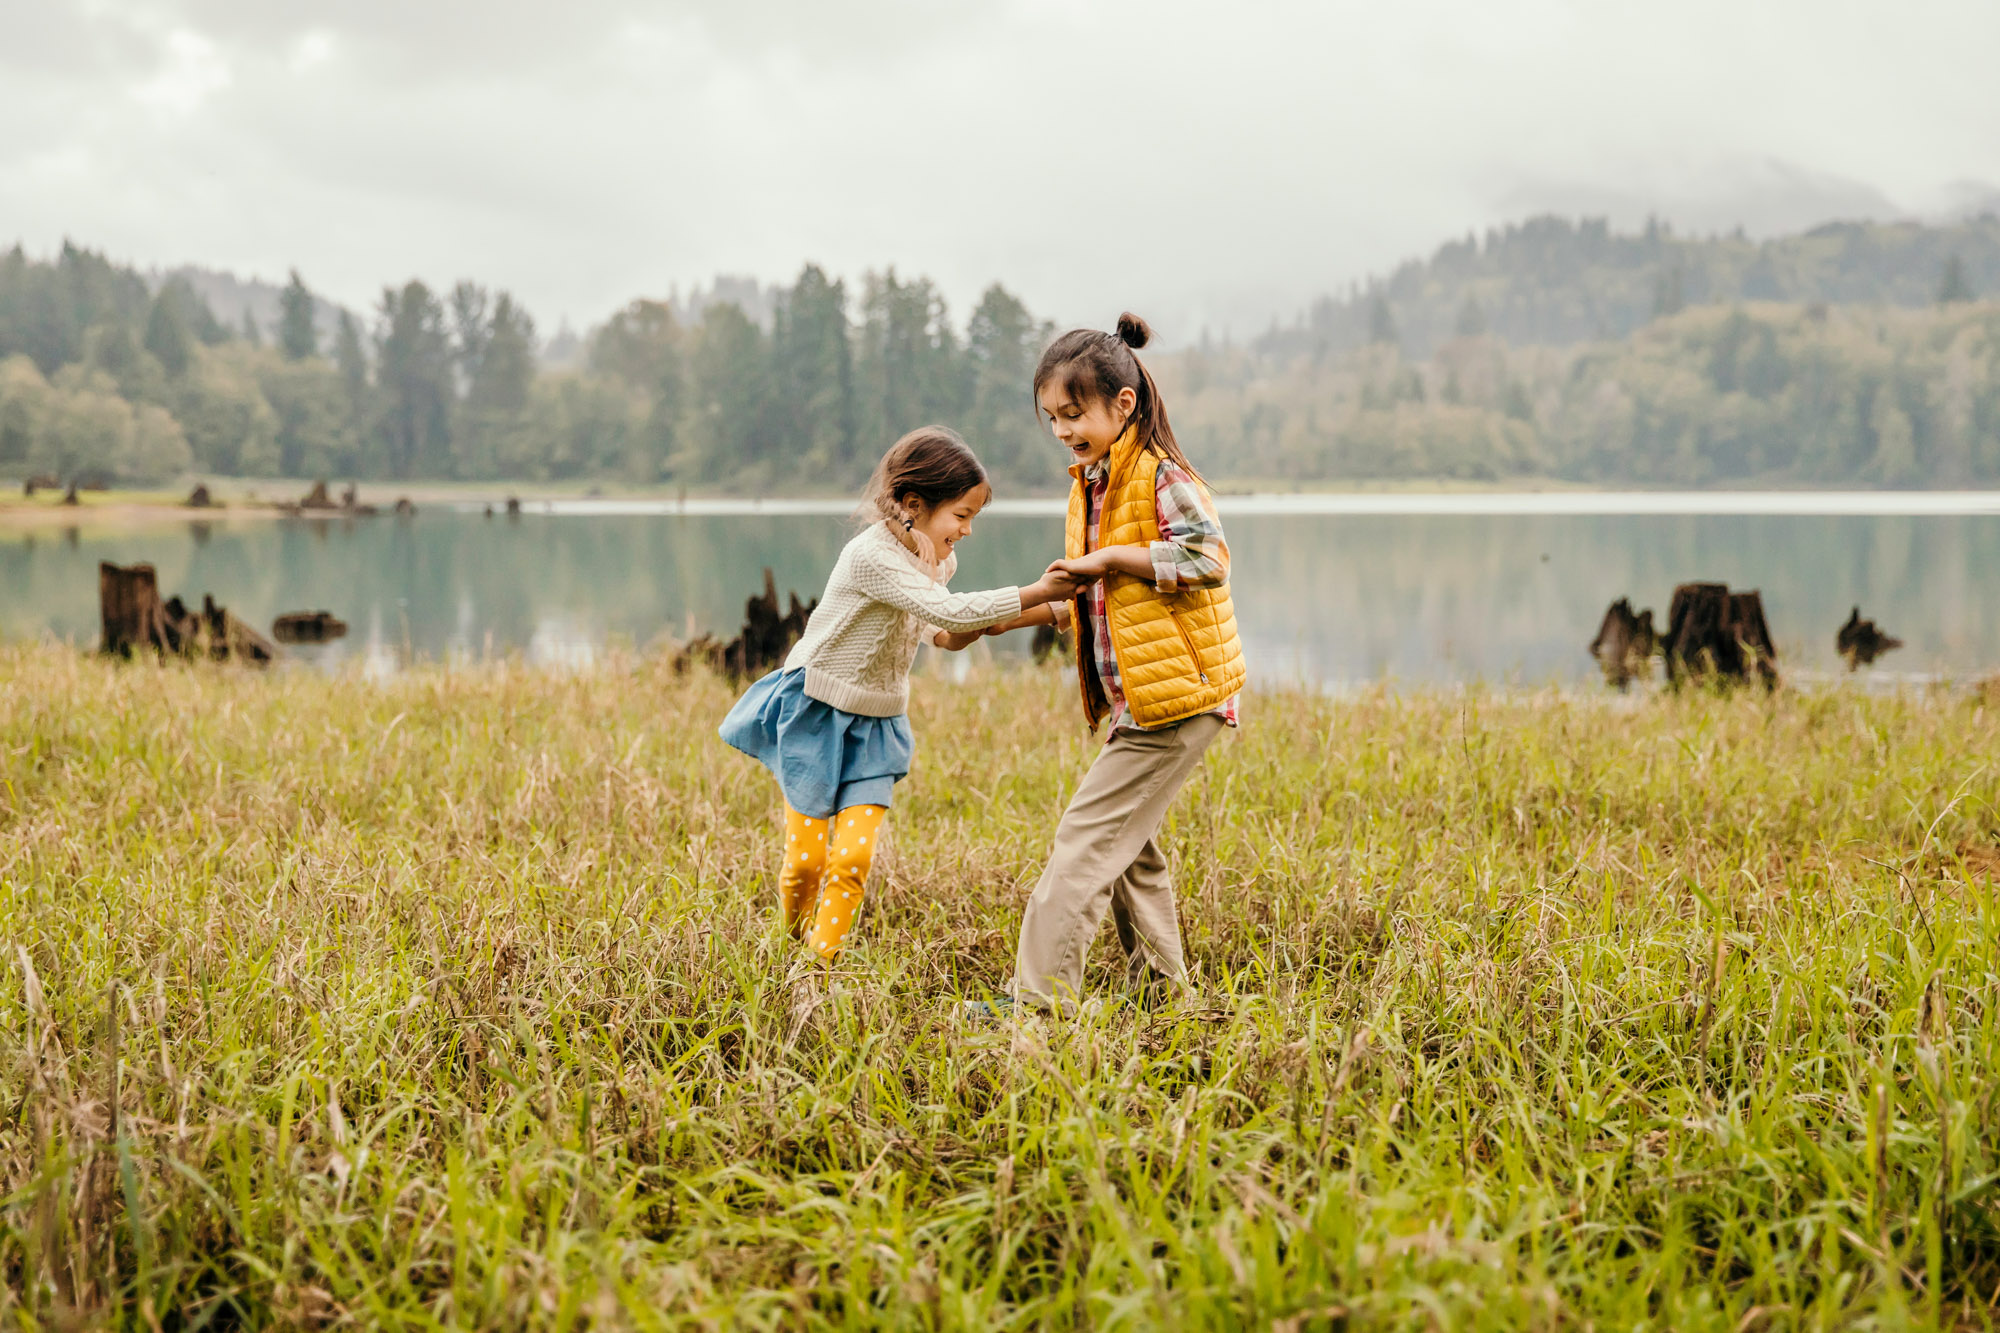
[[1191, 553]]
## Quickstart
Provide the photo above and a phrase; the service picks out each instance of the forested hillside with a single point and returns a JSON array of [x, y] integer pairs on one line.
[[1853, 355], [1552, 281], [1755, 394]]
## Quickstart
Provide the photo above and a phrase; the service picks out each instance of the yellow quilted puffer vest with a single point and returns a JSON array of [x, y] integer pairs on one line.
[[1178, 654]]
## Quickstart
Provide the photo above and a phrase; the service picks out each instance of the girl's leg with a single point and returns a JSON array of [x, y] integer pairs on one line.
[[1148, 921], [805, 866], [857, 832], [1103, 834]]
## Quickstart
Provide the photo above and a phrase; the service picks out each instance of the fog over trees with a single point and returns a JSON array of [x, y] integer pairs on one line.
[[1854, 354]]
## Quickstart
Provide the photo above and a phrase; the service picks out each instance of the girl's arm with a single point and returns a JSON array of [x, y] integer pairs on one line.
[[1134, 560], [1048, 613], [904, 587], [1191, 552]]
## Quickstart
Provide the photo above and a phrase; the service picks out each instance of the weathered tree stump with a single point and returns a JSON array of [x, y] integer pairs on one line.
[[199, 498], [317, 498], [513, 506], [308, 627], [1860, 642], [766, 638], [404, 508], [1625, 644], [128, 603], [69, 496], [1714, 634], [135, 618], [227, 637]]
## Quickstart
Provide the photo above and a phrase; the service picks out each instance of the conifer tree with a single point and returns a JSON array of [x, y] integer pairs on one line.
[[413, 370], [297, 338], [167, 336], [813, 373], [1471, 319], [1952, 284], [1382, 323]]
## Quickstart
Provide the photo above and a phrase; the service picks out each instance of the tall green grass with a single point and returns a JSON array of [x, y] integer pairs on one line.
[[456, 1000]]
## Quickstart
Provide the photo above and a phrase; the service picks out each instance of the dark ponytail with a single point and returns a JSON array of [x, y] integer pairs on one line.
[[1092, 366]]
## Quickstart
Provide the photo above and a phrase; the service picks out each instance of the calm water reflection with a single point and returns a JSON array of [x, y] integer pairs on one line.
[[1330, 598]]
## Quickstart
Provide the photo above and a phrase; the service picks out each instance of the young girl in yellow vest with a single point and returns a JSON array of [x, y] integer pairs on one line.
[[829, 724], [1157, 659]]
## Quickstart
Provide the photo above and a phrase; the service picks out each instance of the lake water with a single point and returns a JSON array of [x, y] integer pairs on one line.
[[1333, 590]]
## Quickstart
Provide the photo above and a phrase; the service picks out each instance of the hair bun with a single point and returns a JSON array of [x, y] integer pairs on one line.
[[1133, 331]]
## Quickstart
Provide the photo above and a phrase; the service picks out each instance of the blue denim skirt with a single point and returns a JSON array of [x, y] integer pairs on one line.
[[824, 759]]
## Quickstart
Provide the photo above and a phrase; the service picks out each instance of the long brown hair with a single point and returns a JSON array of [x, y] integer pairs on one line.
[[931, 463], [1092, 366]]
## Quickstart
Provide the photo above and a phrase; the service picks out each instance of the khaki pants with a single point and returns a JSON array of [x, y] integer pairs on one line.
[[1105, 855]]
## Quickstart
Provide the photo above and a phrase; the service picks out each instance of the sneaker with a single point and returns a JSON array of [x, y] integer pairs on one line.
[[996, 1010]]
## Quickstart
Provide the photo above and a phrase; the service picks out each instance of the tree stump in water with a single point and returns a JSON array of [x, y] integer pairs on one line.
[[1625, 644], [128, 603], [1048, 642], [199, 498], [308, 627], [766, 638], [1861, 642], [1714, 634], [134, 617], [227, 637], [317, 498]]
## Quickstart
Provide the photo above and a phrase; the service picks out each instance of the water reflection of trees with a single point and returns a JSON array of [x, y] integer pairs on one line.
[[1341, 598]]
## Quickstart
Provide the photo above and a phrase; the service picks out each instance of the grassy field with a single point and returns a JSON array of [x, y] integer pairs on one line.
[[456, 1000]]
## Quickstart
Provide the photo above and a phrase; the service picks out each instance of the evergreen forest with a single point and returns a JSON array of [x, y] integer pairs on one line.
[[1852, 355]]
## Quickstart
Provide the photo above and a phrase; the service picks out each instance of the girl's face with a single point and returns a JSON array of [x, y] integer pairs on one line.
[[949, 523], [1087, 430]]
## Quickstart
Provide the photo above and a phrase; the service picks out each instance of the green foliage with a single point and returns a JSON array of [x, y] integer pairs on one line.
[[230, 425], [316, 433], [1554, 281], [168, 337], [413, 371], [1004, 342], [455, 1000], [1952, 283], [812, 366], [1744, 395], [297, 338], [1644, 369]]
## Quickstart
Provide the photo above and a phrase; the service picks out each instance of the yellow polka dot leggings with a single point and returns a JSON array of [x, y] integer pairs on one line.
[[826, 865]]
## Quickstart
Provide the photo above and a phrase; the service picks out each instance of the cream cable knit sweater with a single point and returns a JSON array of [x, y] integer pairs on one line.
[[863, 635]]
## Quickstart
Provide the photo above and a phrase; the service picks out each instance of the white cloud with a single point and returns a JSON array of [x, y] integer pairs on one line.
[[312, 49], [191, 71], [1201, 163]]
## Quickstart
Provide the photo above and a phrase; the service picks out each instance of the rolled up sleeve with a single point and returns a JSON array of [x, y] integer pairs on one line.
[[1191, 552]]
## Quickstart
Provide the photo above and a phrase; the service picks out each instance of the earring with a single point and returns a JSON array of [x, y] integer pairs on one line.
[[909, 521]]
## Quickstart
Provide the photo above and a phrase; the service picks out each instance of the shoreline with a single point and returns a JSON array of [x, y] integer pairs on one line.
[[140, 509]]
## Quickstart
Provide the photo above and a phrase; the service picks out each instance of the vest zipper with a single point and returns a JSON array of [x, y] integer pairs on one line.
[[1188, 639]]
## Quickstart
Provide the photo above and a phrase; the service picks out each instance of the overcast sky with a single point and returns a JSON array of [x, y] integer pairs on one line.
[[1203, 163]]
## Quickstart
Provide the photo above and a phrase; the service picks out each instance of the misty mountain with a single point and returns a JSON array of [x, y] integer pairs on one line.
[[231, 297], [1557, 282]]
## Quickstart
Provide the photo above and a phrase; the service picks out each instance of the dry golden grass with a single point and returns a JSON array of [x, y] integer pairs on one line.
[[456, 1000]]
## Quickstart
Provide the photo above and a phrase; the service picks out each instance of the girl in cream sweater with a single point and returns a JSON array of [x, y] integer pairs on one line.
[[830, 723]]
